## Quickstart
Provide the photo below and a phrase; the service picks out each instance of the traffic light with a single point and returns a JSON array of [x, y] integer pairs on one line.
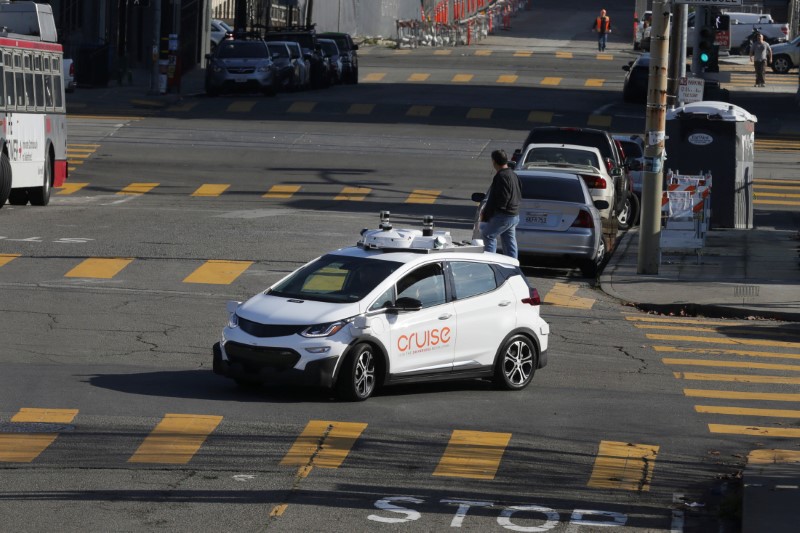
[[709, 52]]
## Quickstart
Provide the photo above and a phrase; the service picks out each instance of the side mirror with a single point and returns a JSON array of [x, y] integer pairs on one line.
[[512, 164], [478, 197], [405, 304], [601, 204], [634, 164], [627, 68], [355, 47]]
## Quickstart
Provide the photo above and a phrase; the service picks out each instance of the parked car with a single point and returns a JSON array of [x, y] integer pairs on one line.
[[634, 88], [634, 159], [608, 149], [742, 26], [307, 39], [219, 31], [289, 75], [642, 37], [69, 74], [585, 161], [559, 222], [296, 53], [241, 66], [786, 56], [402, 305], [349, 52], [331, 53]]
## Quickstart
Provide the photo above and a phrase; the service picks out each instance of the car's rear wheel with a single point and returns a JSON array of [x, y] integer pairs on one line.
[[5, 178], [18, 197], [357, 377], [517, 363], [781, 64], [626, 214], [591, 267]]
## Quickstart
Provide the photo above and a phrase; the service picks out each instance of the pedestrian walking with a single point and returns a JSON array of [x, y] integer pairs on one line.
[[500, 214], [602, 25], [761, 56]]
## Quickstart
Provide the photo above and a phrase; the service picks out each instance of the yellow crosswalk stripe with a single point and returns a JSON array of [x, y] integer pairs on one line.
[[544, 117], [736, 378], [83, 145], [324, 444], [740, 395], [747, 411], [25, 447], [7, 258], [760, 457], [523, 53], [721, 351], [360, 109], [281, 192], [564, 55], [483, 52], [211, 189], [592, 82], [507, 78], [176, 439], [729, 364], [775, 202], [182, 108], [462, 78], [442, 52], [419, 111], [375, 76], [623, 465], [604, 57], [70, 188], [758, 195], [602, 121], [551, 81], [661, 320], [419, 76], [401, 52], [563, 295], [98, 268], [473, 454], [480, 113], [423, 196], [353, 194], [242, 106], [729, 330], [754, 431], [218, 272], [724, 340], [138, 188], [301, 107]]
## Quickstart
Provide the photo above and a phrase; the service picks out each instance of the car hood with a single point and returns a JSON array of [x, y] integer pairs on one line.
[[245, 62], [267, 309]]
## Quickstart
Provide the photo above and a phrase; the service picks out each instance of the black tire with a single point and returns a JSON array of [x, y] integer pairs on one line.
[[516, 364], [18, 197], [5, 179], [358, 375], [626, 214], [354, 79], [781, 64], [591, 268], [41, 195]]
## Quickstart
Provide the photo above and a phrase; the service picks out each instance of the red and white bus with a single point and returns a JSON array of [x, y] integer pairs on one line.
[[33, 122]]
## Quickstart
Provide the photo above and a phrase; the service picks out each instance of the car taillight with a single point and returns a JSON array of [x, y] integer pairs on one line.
[[72, 69], [609, 165], [533, 299], [594, 182], [584, 220], [785, 30]]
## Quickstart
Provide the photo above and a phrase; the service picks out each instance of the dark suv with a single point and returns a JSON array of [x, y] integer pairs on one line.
[[347, 49], [307, 39], [601, 140]]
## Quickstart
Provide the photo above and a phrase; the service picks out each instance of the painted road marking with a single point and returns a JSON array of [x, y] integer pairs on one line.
[[507, 78], [375, 76], [775, 202], [473, 454], [176, 439], [755, 431], [483, 52], [729, 364], [724, 340], [462, 78], [98, 268], [442, 52], [419, 111], [564, 55], [603, 121], [762, 457], [730, 330], [604, 57], [182, 108], [211, 189], [25, 447], [551, 81], [281, 191], [138, 188], [218, 272], [775, 380], [7, 258], [593, 82], [360, 109], [324, 444], [301, 107], [523, 53], [353, 194], [418, 76], [545, 117], [736, 395], [402, 52], [70, 188], [563, 295], [480, 113], [747, 411], [625, 466], [423, 196], [243, 106]]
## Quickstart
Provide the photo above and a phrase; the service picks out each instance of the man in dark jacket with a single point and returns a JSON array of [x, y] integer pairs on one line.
[[500, 215]]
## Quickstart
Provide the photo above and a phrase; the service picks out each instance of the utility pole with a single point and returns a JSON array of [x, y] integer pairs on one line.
[[649, 258], [309, 12], [677, 56], [699, 22], [155, 74]]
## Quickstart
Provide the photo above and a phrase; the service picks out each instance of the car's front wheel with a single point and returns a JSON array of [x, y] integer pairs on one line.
[[517, 363], [357, 377], [781, 64]]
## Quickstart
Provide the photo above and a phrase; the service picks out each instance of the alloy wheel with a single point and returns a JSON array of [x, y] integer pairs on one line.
[[518, 362]]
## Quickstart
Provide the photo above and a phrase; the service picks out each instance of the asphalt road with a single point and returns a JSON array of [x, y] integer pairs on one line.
[[103, 358]]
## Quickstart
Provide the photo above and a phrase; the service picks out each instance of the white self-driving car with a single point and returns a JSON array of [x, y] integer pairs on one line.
[[403, 305]]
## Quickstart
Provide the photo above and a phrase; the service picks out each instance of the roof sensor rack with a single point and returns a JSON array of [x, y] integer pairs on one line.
[[426, 241]]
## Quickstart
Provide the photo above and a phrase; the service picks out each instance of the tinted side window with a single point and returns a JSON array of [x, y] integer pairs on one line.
[[425, 284], [559, 189], [471, 279]]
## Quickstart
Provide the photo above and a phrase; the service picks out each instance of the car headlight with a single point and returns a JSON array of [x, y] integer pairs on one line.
[[264, 68], [323, 330], [233, 320]]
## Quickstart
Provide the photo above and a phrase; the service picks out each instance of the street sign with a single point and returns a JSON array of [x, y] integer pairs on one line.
[[710, 2], [690, 90]]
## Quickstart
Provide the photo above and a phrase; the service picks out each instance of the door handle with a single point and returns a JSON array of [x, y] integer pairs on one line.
[[504, 303], [445, 316]]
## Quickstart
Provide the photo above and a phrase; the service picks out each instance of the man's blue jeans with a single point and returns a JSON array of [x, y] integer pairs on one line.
[[602, 40], [505, 227]]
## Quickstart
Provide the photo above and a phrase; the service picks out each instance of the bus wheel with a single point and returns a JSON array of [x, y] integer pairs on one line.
[[18, 197], [5, 179], [41, 195]]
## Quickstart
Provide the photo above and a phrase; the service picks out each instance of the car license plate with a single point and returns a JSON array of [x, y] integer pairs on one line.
[[241, 79], [537, 219]]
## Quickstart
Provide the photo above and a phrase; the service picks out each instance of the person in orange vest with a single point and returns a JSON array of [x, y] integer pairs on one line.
[[602, 25]]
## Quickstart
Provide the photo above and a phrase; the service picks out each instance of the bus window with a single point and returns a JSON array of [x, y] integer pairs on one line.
[[39, 90], [30, 96], [26, 61], [37, 63], [58, 92], [20, 82], [17, 61], [2, 90], [9, 89], [47, 64], [48, 90]]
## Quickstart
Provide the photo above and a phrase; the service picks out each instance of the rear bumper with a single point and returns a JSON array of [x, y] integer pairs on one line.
[[576, 246]]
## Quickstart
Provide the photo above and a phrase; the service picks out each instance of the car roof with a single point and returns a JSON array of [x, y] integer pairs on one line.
[[563, 145], [401, 256]]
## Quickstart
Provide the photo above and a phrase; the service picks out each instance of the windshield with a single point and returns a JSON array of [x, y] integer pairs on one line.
[[336, 279], [242, 49], [569, 156], [329, 48], [278, 50]]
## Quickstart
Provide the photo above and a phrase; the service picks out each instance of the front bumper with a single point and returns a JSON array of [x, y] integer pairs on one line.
[[272, 366]]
